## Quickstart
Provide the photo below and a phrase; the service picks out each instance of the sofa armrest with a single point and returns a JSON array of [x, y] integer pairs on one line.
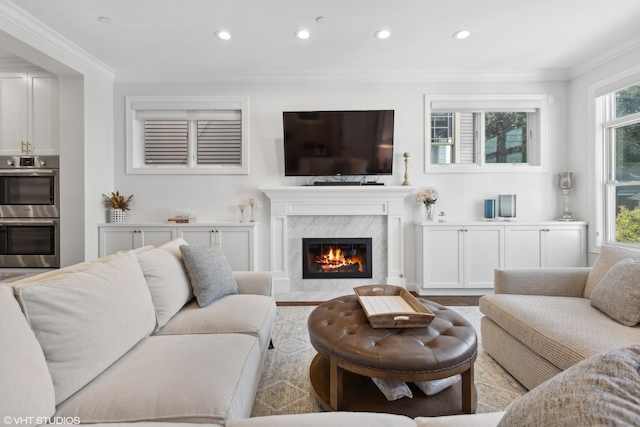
[[254, 282], [562, 282]]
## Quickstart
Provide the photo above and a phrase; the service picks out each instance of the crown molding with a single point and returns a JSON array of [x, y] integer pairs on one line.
[[36, 34], [343, 76], [603, 57]]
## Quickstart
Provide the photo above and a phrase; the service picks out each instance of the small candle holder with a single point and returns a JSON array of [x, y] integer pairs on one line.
[[252, 203], [406, 169], [566, 182], [242, 208]]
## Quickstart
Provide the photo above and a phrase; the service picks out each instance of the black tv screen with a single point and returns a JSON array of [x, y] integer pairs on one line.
[[326, 143]]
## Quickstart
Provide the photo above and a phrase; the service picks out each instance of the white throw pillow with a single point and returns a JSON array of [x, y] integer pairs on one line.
[[166, 278], [86, 321]]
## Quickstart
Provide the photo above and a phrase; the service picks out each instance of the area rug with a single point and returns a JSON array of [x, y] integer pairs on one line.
[[284, 386]]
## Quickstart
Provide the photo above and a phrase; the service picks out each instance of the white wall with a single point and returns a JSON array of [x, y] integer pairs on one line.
[[214, 198], [86, 127], [581, 129]]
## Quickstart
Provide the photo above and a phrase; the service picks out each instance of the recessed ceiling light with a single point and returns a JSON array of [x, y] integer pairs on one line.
[[462, 34], [302, 34], [382, 34], [104, 20], [223, 35]]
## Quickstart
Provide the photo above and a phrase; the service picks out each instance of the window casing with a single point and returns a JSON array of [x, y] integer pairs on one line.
[[491, 133], [619, 118], [186, 135]]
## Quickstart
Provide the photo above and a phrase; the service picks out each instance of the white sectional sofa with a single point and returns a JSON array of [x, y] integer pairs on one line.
[[121, 340]]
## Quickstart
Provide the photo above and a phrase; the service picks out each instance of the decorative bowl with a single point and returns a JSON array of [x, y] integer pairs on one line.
[[182, 212]]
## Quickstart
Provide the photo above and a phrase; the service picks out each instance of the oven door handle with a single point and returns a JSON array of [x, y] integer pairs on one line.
[[23, 223], [9, 172]]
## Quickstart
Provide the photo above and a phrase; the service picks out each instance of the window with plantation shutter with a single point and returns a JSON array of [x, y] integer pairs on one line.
[[186, 135], [220, 142], [165, 142]]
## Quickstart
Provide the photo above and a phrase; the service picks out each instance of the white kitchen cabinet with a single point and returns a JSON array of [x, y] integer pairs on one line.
[[237, 240], [458, 256], [546, 245], [28, 113]]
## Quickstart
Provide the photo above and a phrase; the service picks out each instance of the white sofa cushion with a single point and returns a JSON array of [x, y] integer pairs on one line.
[[26, 388], [489, 419], [174, 378], [255, 318], [326, 419], [85, 321], [167, 279]]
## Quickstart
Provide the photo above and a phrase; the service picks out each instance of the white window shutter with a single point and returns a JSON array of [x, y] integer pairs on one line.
[[166, 142], [219, 142]]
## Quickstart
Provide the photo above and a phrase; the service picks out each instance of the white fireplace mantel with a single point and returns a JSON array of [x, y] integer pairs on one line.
[[331, 201]]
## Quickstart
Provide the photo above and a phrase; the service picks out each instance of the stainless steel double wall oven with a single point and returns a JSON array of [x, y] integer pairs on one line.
[[29, 211]]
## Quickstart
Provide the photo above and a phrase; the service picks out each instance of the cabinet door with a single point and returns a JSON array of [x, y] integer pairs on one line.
[[117, 239], [238, 246], [483, 252], [523, 246], [42, 113], [13, 112], [198, 236], [155, 236], [565, 246], [442, 257]]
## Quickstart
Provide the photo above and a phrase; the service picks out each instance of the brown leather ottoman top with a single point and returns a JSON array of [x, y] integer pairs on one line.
[[340, 328]]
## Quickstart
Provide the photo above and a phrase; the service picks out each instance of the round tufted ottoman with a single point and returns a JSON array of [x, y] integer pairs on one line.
[[350, 352]]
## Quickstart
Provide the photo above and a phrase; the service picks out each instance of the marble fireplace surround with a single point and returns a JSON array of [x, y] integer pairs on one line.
[[293, 206]]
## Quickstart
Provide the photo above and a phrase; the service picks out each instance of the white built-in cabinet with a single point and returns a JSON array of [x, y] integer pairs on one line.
[[464, 256], [237, 240], [28, 113], [546, 245]]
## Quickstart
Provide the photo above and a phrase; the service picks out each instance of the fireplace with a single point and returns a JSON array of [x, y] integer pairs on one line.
[[336, 258]]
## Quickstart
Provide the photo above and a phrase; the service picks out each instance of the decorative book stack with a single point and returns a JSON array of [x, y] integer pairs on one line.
[[180, 220]]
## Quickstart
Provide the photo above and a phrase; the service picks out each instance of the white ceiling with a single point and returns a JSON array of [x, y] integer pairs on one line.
[[171, 38]]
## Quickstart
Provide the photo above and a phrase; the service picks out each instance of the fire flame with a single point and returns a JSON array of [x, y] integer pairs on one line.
[[335, 258]]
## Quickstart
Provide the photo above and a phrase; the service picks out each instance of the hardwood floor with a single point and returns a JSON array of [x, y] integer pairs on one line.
[[444, 300]]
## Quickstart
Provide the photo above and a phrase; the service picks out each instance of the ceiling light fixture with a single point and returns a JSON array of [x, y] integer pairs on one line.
[[382, 34], [302, 34], [223, 35], [462, 34]]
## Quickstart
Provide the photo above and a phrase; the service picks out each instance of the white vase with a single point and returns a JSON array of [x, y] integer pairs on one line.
[[428, 212], [117, 215]]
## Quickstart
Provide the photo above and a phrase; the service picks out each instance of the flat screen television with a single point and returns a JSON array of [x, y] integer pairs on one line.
[[330, 143]]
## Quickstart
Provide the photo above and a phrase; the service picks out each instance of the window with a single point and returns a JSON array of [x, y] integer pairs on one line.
[[485, 133], [620, 126], [186, 135]]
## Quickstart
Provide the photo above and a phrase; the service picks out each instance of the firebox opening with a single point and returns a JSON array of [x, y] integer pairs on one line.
[[335, 258]]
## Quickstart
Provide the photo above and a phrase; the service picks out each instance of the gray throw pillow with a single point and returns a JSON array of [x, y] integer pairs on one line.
[[209, 272], [618, 292], [599, 391]]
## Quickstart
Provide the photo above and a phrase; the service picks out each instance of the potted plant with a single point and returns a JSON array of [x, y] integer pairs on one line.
[[118, 204]]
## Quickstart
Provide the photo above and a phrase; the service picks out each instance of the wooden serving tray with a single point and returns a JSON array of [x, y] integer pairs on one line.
[[389, 306]]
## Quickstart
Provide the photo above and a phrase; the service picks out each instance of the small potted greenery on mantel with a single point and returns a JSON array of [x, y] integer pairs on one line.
[[117, 204]]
